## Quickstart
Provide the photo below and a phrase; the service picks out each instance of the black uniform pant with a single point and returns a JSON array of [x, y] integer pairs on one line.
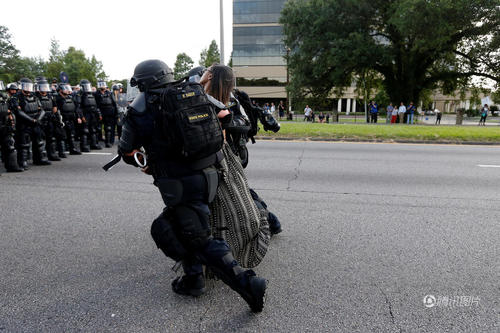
[[185, 222], [109, 128], [54, 134], [7, 147], [90, 128], [69, 133], [25, 134]]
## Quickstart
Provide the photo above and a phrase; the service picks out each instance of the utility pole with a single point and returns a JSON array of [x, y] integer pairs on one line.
[[221, 33]]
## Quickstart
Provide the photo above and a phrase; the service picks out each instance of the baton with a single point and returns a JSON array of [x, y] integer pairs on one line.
[[113, 162]]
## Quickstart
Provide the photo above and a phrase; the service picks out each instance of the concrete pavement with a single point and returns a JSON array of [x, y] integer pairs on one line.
[[369, 230]]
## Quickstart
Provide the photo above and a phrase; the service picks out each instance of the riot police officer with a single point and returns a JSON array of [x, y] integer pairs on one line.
[[29, 116], [107, 106], [70, 118], [121, 104], [87, 105], [52, 123], [182, 231], [7, 130]]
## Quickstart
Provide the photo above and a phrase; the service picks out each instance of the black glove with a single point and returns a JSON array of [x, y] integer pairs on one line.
[[128, 157]]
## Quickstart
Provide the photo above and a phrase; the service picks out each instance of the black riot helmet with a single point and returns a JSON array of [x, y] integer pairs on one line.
[[26, 85], [43, 86], [102, 84], [64, 88], [196, 73], [12, 86], [152, 73], [85, 86]]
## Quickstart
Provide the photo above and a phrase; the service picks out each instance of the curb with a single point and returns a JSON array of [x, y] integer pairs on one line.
[[471, 143]]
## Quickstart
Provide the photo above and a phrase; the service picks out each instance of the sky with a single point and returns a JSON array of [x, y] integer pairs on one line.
[[121, 33]]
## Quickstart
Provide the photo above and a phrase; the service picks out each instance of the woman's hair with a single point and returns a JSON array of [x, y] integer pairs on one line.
[[222, 82]]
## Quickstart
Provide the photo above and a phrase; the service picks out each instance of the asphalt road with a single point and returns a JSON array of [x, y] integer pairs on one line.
[[369, 230]]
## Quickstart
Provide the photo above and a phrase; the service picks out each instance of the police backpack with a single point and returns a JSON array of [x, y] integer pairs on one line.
[[188, 121]]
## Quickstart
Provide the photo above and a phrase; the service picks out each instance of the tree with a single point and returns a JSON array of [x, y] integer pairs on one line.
[[78, 67], [55, 65], [29, 67], [183, 64], [210, 56], [8, 55], [412, 44]]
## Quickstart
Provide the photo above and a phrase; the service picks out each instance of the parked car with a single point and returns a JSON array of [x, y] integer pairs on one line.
[[429, 112]]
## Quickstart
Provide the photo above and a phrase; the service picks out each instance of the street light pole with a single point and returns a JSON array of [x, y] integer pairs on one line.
[[221, 33], [288, 99]]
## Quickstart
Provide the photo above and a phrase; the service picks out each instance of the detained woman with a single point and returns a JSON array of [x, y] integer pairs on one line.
[[234, 214]]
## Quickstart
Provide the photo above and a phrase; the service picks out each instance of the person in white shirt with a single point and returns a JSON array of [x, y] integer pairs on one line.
[[438, 116], [273, 110], [307, 113], [401, 113]]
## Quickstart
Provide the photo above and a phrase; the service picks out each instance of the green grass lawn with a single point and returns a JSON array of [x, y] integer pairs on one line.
[[386, 132]]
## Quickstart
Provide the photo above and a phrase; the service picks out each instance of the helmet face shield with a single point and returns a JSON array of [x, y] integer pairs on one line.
[[66, 89], [101, 85], [43, 87], [86, 87], [27, 86]]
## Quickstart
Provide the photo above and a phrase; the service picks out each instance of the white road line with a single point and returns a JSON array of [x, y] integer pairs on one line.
[[97, 153], [488, 166]]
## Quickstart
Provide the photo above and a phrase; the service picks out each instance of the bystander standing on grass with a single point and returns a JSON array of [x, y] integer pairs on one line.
[[373, 112], [401, 113], [411, 111], [438, 116], [390, 108], [484, 114]]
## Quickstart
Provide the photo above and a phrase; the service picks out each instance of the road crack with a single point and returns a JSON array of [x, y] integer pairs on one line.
[[297, 170], [389, 305], [202, 318]]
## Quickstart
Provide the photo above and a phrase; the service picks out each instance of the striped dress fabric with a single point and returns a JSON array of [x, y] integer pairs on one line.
[[235, 217]]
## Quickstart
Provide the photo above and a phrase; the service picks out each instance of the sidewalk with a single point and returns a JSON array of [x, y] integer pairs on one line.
[[448, 119]]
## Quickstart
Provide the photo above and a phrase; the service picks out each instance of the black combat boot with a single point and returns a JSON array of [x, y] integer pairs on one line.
[[51, 151], [84, 146], [60, 149], [10, 161], [245, 282], [40, 154], [190, 285]]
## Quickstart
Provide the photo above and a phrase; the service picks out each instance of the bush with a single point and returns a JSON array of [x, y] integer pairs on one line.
[[472, 113], [494, 110]]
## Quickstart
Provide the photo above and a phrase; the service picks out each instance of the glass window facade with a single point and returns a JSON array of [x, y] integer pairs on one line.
[[257, 45], [257, 11]]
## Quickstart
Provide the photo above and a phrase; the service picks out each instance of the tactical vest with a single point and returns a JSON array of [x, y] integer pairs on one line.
[[4, 109], [30, 106], [88, 102], [186, 128], [68, 108], [47, 103], [106, 100]]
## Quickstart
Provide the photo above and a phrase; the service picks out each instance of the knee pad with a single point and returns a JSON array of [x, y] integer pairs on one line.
[[165, 237], [193, 226], [108, 128]]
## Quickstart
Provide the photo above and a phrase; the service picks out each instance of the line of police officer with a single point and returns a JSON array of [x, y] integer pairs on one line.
[[43, 122]]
